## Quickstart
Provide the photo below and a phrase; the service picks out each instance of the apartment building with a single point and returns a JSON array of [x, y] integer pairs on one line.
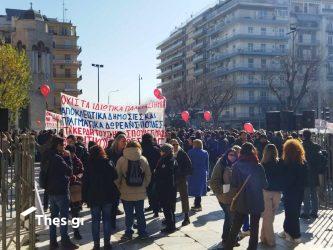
[[235, 41], [51, 47]]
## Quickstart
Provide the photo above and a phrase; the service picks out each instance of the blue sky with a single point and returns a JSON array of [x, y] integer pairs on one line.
[[122, 35]]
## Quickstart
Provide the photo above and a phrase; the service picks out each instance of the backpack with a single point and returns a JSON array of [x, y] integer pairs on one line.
[[134, 175]]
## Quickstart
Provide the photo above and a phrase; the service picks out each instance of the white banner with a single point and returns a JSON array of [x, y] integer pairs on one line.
[[52, 120], [100, 122]]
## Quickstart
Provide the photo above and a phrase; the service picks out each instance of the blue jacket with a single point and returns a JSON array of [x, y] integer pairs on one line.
[[197, 182], [251, 200]]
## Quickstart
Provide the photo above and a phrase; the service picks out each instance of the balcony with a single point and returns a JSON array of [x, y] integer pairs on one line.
[[198, 46], [172, 59], [198, 58], [259, 52], [67, 62], [170, 49], [77, 49], [198, 33], [177, 68], [173, 35], [256, 100], [220, 42], [308, 43], [252, 85], [164, 73], [198, 72], [225, 71], [67, 77], [177, 79], [73, 91]]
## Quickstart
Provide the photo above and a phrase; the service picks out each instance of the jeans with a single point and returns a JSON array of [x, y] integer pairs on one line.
[[227, 221], [46, 201], [96, 212], [59, 205], [129, 207], [236, 226], [197, 201], [113, 215], [310, 201]]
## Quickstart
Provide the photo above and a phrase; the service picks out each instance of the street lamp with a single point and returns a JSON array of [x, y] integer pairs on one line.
[[140, 78], [97, 66], [112, 91]]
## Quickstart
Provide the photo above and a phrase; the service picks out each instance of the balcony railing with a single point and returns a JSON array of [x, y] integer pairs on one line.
[[68, 47], [164, 73], [171, 48], [198, 58], [177, 79], [198, 32], [198, 72], [75, 91], [171, 59], [177, 68], [69, 62], [64, 76], [198, 46]]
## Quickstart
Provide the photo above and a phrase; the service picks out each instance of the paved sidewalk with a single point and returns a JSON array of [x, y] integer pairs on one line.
[[204, 232]]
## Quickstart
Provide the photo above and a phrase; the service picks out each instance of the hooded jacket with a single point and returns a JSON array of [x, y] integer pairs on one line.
[[128, 193]]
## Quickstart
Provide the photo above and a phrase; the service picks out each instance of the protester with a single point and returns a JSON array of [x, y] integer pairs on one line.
[[76, 180], [220, 184], [312, 155], [272, 193], [198, 180], [183, 171], [250, 175], [133, 179], [293, 157], [165, 176], [152, 154], [58, 174], [100, 193]]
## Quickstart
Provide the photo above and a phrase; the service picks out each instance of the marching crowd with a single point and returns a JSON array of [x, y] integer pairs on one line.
[[249, 174]]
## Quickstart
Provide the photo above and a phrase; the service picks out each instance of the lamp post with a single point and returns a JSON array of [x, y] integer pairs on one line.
[[140, 78], [97, 66], [112, 91]]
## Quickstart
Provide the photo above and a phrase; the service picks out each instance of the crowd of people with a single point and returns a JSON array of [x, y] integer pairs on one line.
[[248, 173]]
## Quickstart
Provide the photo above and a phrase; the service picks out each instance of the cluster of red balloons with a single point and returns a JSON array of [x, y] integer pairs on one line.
[[186, 116]]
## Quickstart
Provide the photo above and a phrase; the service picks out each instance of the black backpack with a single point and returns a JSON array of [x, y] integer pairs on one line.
[[134, 175]]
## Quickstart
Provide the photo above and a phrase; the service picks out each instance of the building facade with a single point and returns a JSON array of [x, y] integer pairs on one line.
[[51, 47], [238, 41]]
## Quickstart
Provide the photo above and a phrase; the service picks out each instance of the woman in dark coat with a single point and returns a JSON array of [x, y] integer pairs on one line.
[[251, 200], [100, 193], [165, 178], [295, 166]]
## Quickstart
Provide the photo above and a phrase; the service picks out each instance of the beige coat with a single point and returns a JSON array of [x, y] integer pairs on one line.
[[132, 193]]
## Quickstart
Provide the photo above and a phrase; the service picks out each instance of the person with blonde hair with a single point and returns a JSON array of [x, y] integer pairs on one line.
[[133, 179], [294, 162], [272, 193], [197, 182]]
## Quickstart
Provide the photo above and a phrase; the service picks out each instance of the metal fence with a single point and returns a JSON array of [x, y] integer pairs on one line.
[[17, 191]]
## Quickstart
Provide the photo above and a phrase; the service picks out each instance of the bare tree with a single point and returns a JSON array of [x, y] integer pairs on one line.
[[290, 79], [217, 96]]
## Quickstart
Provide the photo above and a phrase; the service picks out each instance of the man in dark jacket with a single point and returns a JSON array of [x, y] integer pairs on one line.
[[58, 177], [152, 154], [312, 151], [184, 169]]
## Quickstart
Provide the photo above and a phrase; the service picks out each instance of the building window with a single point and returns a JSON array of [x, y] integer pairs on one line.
[[251, 78], [54, 72], [300, 38], [251, 111], [251, 94], [263, 47], [282, 47], [263, 31], [250, 46], [250, 62], [263, 63], [67, 73], [67, 57], [250, 30], [281, 32], [330, 40]]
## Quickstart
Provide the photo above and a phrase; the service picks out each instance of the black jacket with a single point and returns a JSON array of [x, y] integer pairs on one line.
[[313, 167], [58, 174], [275, 176], [295, 178], [152, 154], [165, 178], [184, 164], [98, 183]]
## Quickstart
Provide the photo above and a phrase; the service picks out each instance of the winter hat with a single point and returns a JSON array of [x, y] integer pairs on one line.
[[167, 149]]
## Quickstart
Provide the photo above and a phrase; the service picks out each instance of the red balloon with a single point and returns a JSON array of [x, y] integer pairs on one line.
[[158, 94], [207, 116], [45, 90], [248, 127], [185, 116]]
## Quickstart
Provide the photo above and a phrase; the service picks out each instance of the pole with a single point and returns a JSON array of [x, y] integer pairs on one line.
[[140, 89], [98, 83]]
